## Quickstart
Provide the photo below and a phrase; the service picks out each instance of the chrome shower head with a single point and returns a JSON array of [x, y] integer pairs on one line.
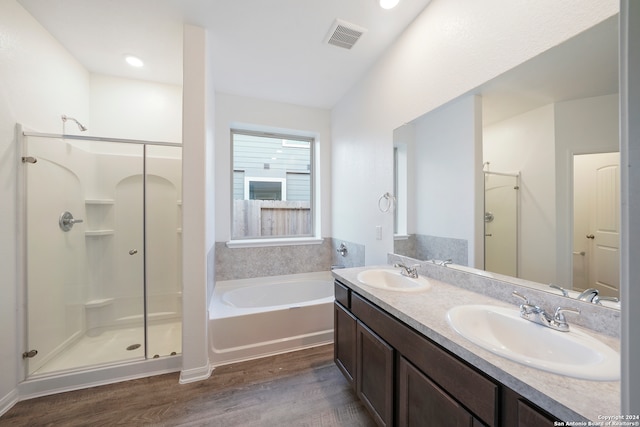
[[80, 125]]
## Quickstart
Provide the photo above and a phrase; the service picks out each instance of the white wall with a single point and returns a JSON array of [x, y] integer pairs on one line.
[[526, 144], [35, 95], [588, 125], [210, 169], [135, 109], [197, 142], [254, 114], [446, 160], [452, 47]]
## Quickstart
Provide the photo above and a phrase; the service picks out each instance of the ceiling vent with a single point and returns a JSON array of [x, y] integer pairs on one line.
[[344, 34]]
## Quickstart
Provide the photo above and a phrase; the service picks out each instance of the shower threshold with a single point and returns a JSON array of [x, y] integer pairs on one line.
[[118, 345]]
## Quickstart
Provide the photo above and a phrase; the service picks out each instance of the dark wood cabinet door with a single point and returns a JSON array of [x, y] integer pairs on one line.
[[422, 403], [374, 377], [518, 411], [344, 347], [528, 416]]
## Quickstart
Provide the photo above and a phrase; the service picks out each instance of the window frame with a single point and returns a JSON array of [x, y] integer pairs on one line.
[[310, 142]]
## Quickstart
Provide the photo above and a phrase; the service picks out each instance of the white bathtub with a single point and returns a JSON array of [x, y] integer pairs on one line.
[[257, 317]]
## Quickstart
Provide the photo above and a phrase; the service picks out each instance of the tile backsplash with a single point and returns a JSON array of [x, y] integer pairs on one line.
[[421, 246], [244, 263]]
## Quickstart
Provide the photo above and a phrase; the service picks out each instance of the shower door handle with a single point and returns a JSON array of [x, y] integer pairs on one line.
[[133, 251]]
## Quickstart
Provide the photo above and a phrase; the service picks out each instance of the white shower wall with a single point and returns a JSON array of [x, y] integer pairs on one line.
[[116, 185]]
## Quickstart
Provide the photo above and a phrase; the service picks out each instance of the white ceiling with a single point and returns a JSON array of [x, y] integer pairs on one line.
[[263, 49]]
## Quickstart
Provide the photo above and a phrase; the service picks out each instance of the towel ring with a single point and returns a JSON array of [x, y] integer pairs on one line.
[[388, 204]]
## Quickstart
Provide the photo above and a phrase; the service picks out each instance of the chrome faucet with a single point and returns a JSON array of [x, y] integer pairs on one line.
[[444, 263], [411, 272], [588, 295], [593, 296], [538, 315]]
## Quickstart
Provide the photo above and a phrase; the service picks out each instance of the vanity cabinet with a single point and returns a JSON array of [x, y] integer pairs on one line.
[[405, 379]]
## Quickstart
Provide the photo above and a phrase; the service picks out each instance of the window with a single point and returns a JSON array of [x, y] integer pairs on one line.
[[272, 186], [256, 188]]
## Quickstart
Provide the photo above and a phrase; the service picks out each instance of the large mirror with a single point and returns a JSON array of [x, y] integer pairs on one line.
[[520, 176]]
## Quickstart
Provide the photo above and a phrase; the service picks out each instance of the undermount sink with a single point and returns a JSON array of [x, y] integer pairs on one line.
[[392, 280], [503, 332]]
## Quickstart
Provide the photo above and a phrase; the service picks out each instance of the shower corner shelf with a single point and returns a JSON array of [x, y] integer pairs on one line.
[[99, 233], [96, 303], [99, 201]]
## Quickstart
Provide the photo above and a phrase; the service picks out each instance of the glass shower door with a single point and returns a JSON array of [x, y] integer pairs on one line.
[[84, 252], [163, 222], [501, 223]]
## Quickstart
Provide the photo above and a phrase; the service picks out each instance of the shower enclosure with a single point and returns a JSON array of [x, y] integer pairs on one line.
[[102, 251], [501, 222]]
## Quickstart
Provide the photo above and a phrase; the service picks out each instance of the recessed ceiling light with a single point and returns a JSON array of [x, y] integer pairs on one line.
[[388, 4], [134, 61]]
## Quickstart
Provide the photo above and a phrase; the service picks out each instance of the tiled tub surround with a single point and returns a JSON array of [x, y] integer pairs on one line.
[[244, 263], [567, 398], [354, 256]]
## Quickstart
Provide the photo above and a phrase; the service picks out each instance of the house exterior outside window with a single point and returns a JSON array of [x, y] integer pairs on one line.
[[272, 186]]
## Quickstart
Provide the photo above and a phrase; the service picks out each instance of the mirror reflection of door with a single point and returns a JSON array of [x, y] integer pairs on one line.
[[596, 230], [501, 223]]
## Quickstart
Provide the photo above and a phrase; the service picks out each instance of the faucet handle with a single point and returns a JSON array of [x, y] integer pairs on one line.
[[559, 316], [560, 288], [598, 299], [519, 295]]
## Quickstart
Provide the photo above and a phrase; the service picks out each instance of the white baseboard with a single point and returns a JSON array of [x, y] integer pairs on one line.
[[195, 374], [8, 401]]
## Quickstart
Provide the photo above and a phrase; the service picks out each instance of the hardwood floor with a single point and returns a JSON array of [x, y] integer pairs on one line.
[[302, 388]]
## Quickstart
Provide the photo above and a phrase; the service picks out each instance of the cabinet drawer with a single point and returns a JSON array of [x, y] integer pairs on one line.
[[468, 386], [341, 293]]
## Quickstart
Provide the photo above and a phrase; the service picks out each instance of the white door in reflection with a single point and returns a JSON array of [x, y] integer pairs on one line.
[[596, 234]]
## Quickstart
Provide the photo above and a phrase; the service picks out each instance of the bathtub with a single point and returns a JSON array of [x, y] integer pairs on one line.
[[251, 318]]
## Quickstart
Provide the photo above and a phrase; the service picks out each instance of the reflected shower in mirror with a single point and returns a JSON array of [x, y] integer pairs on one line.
[[501, 201], [507, 151]]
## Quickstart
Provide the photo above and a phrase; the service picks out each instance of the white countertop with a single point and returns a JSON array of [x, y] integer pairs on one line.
[[567, 398]]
